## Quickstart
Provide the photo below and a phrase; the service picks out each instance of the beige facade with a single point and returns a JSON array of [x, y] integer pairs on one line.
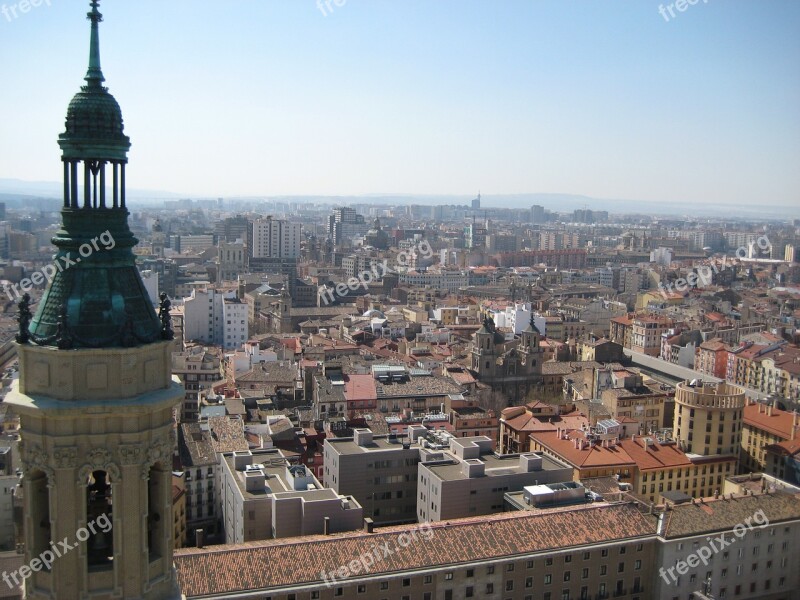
[[98, 440], [380, 472], [708, 418], [263, 497], [469, 479]]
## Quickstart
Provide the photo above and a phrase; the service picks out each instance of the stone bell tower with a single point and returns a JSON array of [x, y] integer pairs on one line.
[[95, 393]]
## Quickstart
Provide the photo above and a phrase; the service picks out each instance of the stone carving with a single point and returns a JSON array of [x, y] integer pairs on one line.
[[158, 452], [66, 458], [34, 458], [130, 454], [99, 459]]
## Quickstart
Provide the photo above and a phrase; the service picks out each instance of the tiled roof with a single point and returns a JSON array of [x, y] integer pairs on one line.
[[279, 563], [779, 423], [585, 456], [655, 456], [360, 387], [724, 514]]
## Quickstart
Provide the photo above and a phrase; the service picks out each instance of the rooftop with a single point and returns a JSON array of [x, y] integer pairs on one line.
[[278, 563]]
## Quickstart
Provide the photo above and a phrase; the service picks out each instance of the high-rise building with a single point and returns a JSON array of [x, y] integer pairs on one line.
[[274, 238], [537, 214], [95, 392], [345, 224]]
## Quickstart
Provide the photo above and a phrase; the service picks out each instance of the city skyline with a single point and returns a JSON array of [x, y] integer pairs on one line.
[[363, 98]]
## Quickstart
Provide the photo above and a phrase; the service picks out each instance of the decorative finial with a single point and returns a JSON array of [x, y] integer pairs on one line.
[[167, 332], [94, 76], [24, 319]]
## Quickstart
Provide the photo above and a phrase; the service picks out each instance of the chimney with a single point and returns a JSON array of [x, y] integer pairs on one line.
[[769, 409], [326, 526], [199, 538], [369, 525]]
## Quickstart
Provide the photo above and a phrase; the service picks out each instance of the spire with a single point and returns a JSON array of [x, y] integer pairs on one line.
[[94, 76]]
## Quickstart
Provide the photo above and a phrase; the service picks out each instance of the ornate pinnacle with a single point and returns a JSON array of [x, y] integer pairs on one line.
[[94, 76]]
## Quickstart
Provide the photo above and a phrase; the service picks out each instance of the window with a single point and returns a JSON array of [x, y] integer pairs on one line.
[[603, 570], [406, 581], [362, 588], [470, 572], [510, 567], [509, 586], [384, 585], [338, 591], [529, 582], [490, 588], [585, 574], [604, 551], [548, 562], [469, 592], [548, 579], [427, 579], [490, 570], [566, 575], [530, 564]]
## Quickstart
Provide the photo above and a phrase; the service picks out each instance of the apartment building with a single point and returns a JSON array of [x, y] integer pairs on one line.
[[594, 551], [760, 559], [629, 398], [200, 467], [646, 334], [215, 317], [708, 417], [198, 368], [712, 358], [770, 438], [265, 497], [655, 469], [379, 471], [469, 478], [274, 238]]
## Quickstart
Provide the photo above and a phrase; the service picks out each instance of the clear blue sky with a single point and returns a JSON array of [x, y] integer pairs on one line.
[[266, 97]]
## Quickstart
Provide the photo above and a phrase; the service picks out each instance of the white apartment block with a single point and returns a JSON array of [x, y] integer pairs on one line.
[[217, 318], [264, 497], [275, 238]]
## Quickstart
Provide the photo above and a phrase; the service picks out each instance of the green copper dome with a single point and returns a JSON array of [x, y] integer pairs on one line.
[[94, 118]]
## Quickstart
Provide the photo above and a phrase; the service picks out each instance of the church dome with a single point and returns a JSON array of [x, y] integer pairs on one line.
[[94, 114]]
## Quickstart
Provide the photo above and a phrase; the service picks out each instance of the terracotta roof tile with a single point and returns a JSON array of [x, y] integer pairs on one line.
[[276, 563]]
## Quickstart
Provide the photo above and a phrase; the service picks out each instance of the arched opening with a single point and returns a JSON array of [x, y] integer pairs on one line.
[[158, 518], [41, 534], [99, 502]]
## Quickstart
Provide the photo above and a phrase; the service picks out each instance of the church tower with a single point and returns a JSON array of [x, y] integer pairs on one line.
[[530, 349], [95, 393]]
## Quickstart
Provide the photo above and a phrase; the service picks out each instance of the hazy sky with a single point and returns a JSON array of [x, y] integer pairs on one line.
[[267, 97]]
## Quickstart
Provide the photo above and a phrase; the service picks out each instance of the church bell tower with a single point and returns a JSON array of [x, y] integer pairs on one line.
[[95, 393]]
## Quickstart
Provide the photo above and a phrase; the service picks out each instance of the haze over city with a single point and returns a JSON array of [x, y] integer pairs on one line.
[[607, 100]]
